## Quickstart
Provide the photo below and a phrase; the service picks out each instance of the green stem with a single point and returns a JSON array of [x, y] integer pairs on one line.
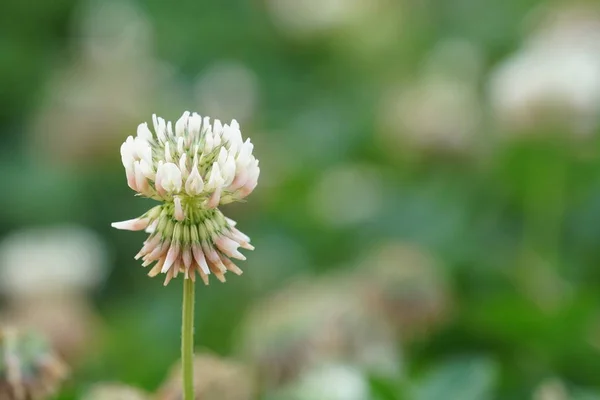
[[187, 340]]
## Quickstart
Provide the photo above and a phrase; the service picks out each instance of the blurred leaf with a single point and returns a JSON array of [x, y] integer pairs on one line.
[[472, 378]]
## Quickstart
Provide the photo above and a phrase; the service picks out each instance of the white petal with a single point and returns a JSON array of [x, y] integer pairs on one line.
[[222, 156], [143, 132], [195, 122], [206, 125], [209, 142], [127, 153], [244, 157], [183, 166], [143, 151], [170, 178], [147, 170], [217, 127], [215, 179], [160, 127], [200, 259], [181, 124], [230, 221], [168, 157], [155, 122], [239, 235], [229, 247], [170, 129], [235, 135], [228, 171], [194, 184], [180, 144], [217, 139]]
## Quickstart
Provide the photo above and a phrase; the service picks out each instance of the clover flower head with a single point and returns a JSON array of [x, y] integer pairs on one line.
[[192, 168]]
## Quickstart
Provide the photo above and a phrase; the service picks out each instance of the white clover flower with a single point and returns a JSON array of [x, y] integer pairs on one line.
[[192, 170]]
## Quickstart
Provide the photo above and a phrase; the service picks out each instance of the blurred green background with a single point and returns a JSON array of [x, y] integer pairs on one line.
[[451, 146]]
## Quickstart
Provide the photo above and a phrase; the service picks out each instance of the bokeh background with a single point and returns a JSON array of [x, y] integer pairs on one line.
[[426, 223]]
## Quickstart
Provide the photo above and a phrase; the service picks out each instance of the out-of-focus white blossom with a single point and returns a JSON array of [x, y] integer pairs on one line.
[[228, 89], [192, 166], [298, 18], [316, 322], [555, 77], [439, 111], [112, 78], [551, 389], [52, 261], [215, 378], [114, 391], [404, 282], [332, 382]]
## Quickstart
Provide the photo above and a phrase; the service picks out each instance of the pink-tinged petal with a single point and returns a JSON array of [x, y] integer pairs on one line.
[[131, 181], [187, 257], [177, 267], [140, 254], [247, 189], [172, 255], [237, 234], [190, 273], [147, 261], [170, 275], [141, 181], [214, 199], [246, 245], [149, 245], [213, 257], [219, 274], [231, 266], [156, 269], [136, 224], [229, 247], [203, 276], [239, 237], [239, 181], [200, 259], [160, 251]]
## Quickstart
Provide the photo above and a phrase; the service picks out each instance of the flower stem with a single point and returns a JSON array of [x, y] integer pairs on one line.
[[187, 340]]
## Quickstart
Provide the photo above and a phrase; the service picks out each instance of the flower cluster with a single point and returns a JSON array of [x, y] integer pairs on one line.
[[29, 368], [192, 170]]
